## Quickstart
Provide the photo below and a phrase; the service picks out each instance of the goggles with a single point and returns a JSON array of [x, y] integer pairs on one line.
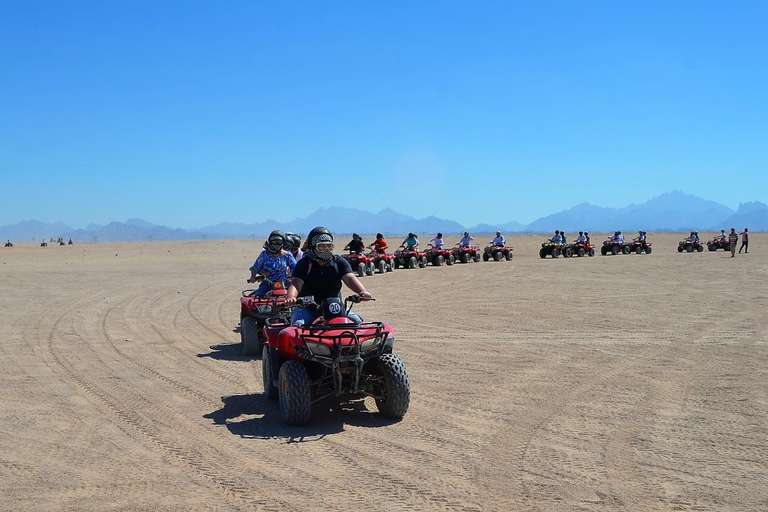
[[324, 246]]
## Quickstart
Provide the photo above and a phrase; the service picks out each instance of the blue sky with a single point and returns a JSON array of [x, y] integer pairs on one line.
[[192, 113]]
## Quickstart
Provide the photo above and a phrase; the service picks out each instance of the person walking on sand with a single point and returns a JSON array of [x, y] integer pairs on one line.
[[733, 239], [744, 241]]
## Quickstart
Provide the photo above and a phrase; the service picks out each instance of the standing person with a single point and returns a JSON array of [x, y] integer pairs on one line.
[[733, 239], [320, 274], [274, 263], [744, 241]]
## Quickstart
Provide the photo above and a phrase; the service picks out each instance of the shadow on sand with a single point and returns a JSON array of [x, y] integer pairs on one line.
[[328, 417], [228, 352]]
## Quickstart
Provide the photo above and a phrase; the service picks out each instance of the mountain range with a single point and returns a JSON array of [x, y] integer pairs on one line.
[[673, 211]]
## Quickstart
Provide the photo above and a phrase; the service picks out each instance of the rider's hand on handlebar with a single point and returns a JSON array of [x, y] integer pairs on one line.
[[290, 301], [365, 295]]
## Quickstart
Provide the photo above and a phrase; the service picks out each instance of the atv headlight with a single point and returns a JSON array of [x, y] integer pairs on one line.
[[318, 348], [370, 344]]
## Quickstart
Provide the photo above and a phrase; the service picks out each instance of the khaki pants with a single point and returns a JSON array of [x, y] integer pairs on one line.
[[733, 250]]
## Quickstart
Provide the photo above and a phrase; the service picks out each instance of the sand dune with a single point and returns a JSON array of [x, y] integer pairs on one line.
[[606, 383]]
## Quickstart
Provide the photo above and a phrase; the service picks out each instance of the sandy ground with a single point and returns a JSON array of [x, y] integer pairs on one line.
[[607, 383]]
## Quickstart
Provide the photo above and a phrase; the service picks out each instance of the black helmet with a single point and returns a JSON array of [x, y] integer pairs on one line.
[[379, 236], [581, 232], [498, 233], [317, 232], [355, 236], [439, 235], [411, 235], [274, 242], [557, 231], [292, 241]]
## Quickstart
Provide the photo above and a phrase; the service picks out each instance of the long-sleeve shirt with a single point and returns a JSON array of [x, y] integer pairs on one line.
[[437, 243], [466, 241], [499, 240]]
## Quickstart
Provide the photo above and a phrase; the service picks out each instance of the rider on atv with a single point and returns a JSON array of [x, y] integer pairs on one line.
[[437, 242], [379, 246], [411, 243], [499, 241], [320, 275], [274, 263], [356, 245], [582, 238], [557, 239], [293, 245], [466, 241]]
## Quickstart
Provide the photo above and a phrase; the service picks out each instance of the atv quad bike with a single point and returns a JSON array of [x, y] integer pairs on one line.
[[582, 249], [382, 261], [640, 247], [439, 257], [333, 357], [549, 248], [255, 311], [614, 247], [361, 264], [497, 253], [719, 243], [687, 245], [463, 254], [408, 258]]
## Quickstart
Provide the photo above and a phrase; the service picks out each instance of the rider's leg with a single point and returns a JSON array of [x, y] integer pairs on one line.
[[303, 316]]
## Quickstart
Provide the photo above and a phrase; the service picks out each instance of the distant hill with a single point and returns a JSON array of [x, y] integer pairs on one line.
[[673, 211]]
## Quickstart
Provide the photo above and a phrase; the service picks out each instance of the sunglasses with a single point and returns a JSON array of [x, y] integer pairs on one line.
[[276, 242]]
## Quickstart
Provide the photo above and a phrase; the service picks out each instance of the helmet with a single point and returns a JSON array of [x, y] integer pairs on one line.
[[355, 236], [411, 235], [292, 241], [581, 232], [274, 242], [379, 236], [316, 236], [439, 235], [557, 231], [618, 232], [466, 233], [498, 233]]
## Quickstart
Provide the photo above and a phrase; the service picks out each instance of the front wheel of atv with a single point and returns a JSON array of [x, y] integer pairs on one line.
[[294, 396], [555, 253], [582, 252], [370, 269], [591, 252], [648, 250], [412, 262], [382, 266], [466, 257], [440, 260], [396, 395], [700, 248], [397, 263], [639, 250], [567, 252], [267, 379], [542, 253], [250, 337], [361, 270], [423, 262], [498, 256], [485, 256], [614, 250], [509, 256]]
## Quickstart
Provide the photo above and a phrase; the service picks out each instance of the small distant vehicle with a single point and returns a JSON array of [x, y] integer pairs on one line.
[[640, 247], [688, 245], [62, 242], [498, 253], [256, 311], [582, 249], [408, 258], [439, 257], [8, 244], [550, 248], [43, 244], [464, 254], [382, 261], [719, 243], [334, 356], [362, 264], [614, 247]]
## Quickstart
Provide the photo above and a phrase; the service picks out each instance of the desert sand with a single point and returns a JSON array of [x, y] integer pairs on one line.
[[606, 383]]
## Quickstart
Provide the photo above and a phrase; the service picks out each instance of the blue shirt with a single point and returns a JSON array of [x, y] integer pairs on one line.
[[276, 265], [499, 240], [411, 242]]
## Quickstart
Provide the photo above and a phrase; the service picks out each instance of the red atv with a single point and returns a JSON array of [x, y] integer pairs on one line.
[[689, 246], [440, 257], [362, 264], [255, 312], [640, 246], [582, 249], [497, 253], [408, 258], [43, 244], [719, 243], [382, 261], [467, 254], [333, 356], [8, 244], [611, 246]]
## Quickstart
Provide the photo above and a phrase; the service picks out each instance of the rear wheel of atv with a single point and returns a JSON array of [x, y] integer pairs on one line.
[[451, 259], [249, 333], [440, 260], [689, 247], [267, 379], [361, 270], [498, 256], [679, 248], [614, 250], [396, 395], [508, 256], [542, 253], [412, 262], [639, 250], [567, 252], [625, 249], [370, 269], [397, 263], [485, 256], [555, 253], [591, 252], [582, 252], [466, 257], [700, 248], [423, 262], [294, 396], [382, 266], [712, 247], [603, 250]]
